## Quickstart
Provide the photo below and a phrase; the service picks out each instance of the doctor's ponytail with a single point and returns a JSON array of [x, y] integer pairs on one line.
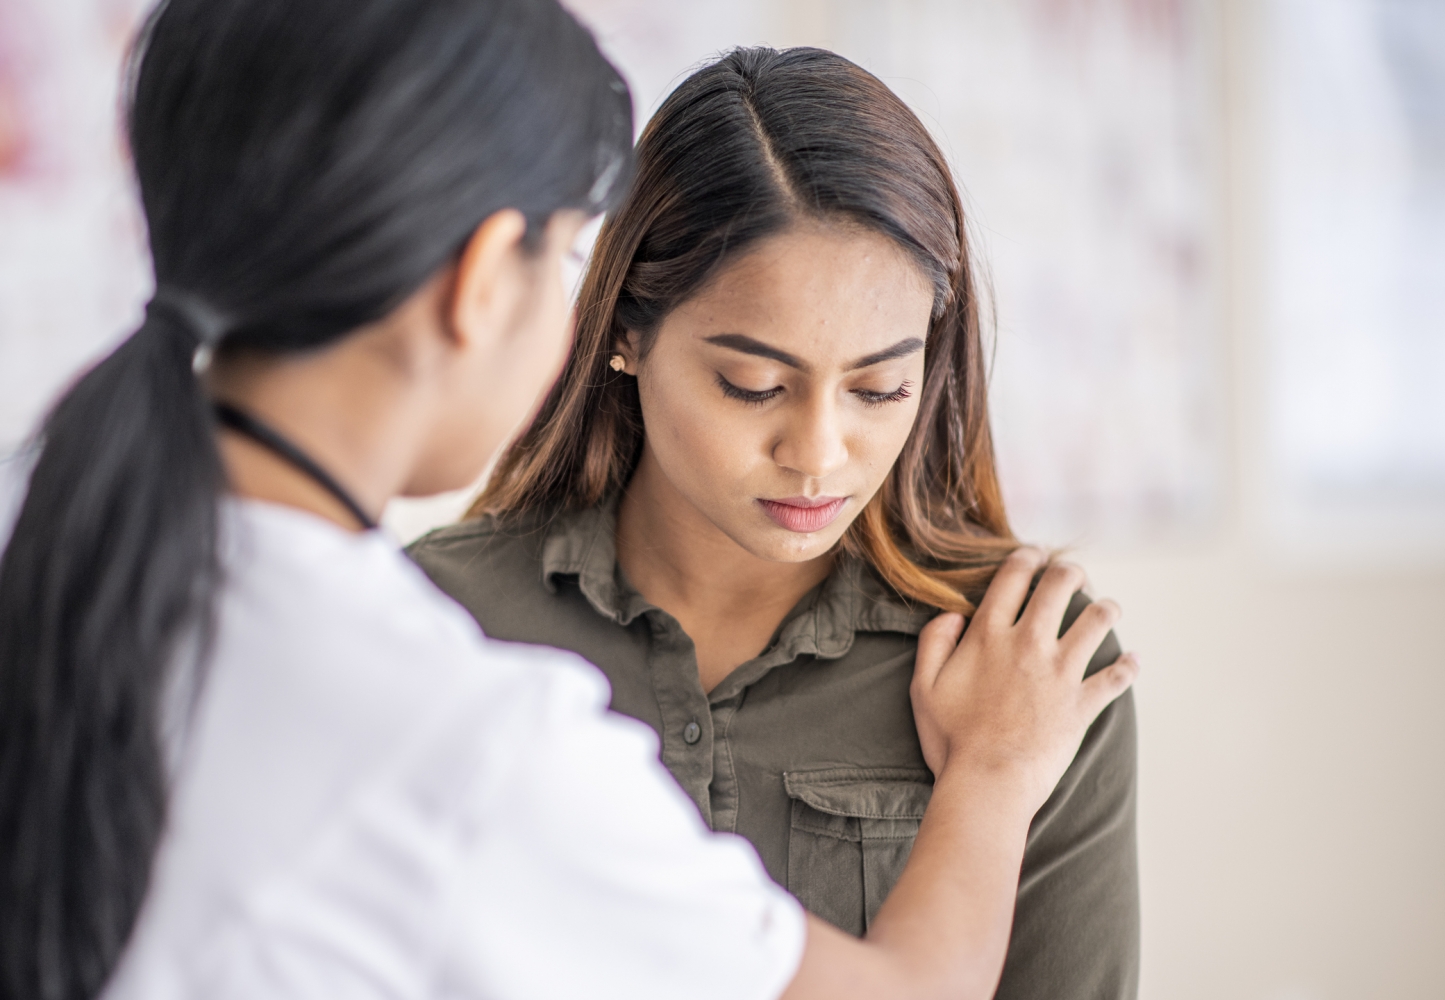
[[305, 166], [113, 553]]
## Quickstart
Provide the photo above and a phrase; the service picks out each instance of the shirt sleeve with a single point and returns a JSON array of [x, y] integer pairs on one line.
[[1076, 924], [587, 871]]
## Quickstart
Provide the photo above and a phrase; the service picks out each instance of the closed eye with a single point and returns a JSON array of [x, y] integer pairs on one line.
[[747, 395], [879, 398]]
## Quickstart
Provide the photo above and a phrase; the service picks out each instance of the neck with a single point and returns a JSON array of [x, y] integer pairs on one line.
[[344, 407], [728, 600]]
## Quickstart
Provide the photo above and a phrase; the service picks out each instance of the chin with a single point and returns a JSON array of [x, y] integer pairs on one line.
[[784, 546]]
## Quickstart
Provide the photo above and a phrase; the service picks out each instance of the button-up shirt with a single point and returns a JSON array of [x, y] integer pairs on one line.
[[809, 749]]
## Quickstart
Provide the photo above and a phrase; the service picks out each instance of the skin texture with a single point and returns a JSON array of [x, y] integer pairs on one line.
[[421, 400], [692, 536]]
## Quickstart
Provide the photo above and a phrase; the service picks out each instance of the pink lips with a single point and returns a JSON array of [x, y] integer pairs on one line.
[[802, 514]]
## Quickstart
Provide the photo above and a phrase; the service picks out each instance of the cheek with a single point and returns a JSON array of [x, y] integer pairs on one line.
[[550, 334], [556, 344], [696, 441], [538, 353], [882, 436]]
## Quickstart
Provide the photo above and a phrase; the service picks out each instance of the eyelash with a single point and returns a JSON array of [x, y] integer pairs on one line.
[[758, 398], [747, 395], [879, 398]]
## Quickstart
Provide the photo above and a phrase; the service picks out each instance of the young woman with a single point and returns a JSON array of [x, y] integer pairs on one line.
[[766, 465], [246, 750]]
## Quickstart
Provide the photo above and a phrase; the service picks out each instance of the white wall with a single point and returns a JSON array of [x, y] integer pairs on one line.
[[1292, 711]]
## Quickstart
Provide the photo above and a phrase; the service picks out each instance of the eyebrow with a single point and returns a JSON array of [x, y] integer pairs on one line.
[[747, 345], [905, 347]]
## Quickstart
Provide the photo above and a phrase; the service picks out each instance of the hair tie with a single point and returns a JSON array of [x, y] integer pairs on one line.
[[192, 314]]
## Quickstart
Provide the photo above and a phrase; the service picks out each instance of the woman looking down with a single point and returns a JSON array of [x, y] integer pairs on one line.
[[246, 748], [767, 464]]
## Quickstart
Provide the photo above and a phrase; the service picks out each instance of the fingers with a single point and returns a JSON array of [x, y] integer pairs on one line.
[[1089, 630], [936, 644], [1000, 605], [1050, 599], [1101, 689]]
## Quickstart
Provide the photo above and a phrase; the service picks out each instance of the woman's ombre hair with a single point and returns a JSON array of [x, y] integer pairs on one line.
[[740, 151]]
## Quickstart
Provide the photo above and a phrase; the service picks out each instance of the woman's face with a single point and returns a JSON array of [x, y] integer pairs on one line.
[[777, 400]]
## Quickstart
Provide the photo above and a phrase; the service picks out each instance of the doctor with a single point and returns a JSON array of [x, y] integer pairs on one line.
[[246, 749]]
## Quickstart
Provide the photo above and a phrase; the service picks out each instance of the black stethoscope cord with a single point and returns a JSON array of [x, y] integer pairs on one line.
[[247, 425]]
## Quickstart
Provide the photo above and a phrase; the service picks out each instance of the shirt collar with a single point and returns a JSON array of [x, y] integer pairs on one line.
[[583, 543]]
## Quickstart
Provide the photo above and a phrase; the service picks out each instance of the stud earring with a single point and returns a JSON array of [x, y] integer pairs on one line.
[[617, 363]]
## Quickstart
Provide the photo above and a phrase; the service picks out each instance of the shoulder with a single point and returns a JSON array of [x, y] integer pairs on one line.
[[522, 579], [344, 650], [879, 607], [490, 567], [319, 623], [486, 539], [1108, 651], [522, 789], [321, 868], [1098, 789]]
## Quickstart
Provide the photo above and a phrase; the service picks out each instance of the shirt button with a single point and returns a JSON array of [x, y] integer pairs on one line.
[[691, 733]]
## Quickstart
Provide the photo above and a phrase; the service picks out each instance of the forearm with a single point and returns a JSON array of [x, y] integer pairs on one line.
[[944, 929]]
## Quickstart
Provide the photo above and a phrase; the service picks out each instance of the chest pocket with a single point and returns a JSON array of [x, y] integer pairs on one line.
[[851, 834]]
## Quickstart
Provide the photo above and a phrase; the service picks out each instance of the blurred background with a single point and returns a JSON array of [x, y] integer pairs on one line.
[[1215, 237]]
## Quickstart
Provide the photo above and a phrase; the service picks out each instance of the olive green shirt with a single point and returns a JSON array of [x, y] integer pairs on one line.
[[809, 749]]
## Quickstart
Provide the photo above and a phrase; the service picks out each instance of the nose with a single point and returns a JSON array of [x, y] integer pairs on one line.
[[812, 442]]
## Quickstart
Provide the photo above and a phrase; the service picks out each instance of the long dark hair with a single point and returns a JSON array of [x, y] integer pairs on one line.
[[740, 151], [305, 165]]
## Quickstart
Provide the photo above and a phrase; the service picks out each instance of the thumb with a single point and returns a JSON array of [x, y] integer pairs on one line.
[[936, 644]]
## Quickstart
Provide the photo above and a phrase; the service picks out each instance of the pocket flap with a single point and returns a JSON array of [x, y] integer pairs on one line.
[[863, 792]]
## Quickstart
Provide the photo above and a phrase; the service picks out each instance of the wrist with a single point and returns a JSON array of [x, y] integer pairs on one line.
[[1006, 792]]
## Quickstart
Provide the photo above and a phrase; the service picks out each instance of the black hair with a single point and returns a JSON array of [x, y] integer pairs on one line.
[[304, 166]]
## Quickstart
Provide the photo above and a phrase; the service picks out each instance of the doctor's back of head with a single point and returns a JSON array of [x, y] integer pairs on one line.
[[305, 167]]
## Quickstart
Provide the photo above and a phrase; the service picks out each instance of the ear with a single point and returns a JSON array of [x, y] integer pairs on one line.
[[629, 347], [485, 278]]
